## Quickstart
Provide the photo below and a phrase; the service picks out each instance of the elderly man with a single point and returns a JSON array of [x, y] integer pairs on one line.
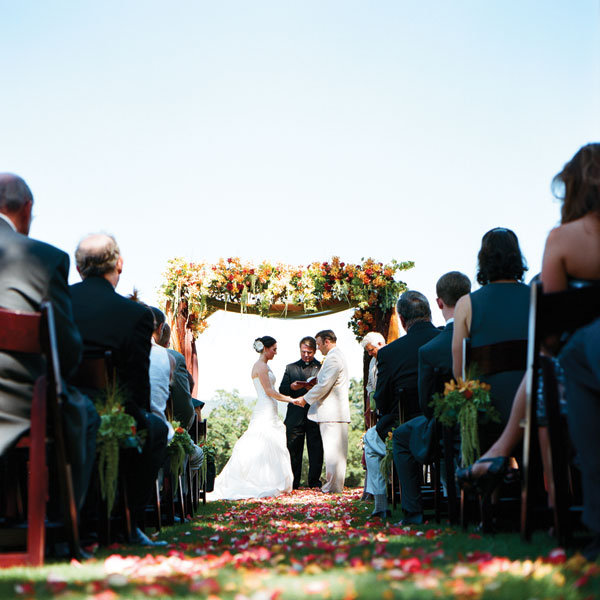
[[371, 344], [32, 271], [396, 388], [108, 321]]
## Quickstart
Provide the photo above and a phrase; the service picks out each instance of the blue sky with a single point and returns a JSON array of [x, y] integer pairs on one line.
[[293, 132]]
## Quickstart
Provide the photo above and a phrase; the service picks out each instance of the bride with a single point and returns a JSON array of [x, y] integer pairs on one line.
[[260, 463]]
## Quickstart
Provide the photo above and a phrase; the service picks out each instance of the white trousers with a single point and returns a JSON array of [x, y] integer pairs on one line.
[[335, 453], [374, 453]]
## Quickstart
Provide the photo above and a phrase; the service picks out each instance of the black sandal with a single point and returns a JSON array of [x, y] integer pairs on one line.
[[486, 482]]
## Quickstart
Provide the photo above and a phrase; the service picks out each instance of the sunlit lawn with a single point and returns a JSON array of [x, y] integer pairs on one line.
[[306, 544]]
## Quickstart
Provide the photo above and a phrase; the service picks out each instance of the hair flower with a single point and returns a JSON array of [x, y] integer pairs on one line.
[[258, 345]]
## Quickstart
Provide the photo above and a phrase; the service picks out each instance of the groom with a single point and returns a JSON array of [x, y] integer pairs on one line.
[[330, 408]]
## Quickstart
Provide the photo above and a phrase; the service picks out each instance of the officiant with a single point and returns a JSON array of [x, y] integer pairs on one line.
[[295, 383]]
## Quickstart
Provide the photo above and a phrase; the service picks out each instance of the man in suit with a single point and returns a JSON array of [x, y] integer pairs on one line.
[[108, 321], [411, 441], [396, 388], [330, 408], [580, 359], [297, 424], [179, 386], [32, 271]]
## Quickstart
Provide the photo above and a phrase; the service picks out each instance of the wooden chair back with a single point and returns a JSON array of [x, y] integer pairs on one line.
[[35, 333], [96, 371], [552, 314], [495, 358], [482, 361]]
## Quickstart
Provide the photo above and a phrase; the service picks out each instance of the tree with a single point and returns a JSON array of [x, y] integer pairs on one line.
[[227, 422]]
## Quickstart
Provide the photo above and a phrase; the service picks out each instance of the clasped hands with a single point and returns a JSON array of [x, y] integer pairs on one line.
[[299, 402]]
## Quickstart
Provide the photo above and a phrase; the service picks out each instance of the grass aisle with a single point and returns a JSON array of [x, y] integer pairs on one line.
[[306, 544]]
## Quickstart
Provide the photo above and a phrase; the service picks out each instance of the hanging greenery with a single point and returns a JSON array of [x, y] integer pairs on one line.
[[117, 430], [180, 446], [385, 466], [277, 289], [208, 455], [467, 403]]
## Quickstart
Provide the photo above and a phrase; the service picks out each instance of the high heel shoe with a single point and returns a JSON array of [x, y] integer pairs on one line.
[[488, 481]]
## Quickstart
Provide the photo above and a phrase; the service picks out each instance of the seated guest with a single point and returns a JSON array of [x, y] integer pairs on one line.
[[179, 385], [497, 312], [108, 321], [571, 259], [396, 388], [581, 362], [32, 271], [410, 442], [371, 344], [161, 370]]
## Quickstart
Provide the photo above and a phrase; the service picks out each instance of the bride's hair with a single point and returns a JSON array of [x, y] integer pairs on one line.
[[263, 342]]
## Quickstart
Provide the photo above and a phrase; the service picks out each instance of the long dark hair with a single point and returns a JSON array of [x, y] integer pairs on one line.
[[500, 257], [578, 184]]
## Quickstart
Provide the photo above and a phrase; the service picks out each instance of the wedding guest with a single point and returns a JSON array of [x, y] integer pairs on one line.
[[330, 408], [32, 271], [108, 321], [295, 384], [371, 344], [497, 312], [180, 384], [581, 361], [396, 389], [412, 440], [162, 370], [571, 258]]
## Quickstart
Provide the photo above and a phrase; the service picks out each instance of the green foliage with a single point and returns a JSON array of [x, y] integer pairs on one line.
[[469, 404], [386, 462], [117, 430], [181, 444], [227, 422]]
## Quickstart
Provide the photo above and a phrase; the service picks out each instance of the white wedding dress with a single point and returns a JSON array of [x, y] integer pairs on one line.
[[260, 463]]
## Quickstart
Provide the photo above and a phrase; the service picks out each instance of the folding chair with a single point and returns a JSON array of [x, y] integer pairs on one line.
[[34, 333]]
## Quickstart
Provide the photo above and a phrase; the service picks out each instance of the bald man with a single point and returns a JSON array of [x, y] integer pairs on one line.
[[108, 321], [32, 271]]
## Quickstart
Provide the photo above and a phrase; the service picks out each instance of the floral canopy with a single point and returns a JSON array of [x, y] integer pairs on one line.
[[196, 290]]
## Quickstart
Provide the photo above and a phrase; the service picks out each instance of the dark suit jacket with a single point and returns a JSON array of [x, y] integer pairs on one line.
[[296, 415], [183, 408], [436, 354], [108, 321], [397, 365], [32, 271]]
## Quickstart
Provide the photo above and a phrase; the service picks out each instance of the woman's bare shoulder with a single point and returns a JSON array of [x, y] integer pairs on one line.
[[258, 367]]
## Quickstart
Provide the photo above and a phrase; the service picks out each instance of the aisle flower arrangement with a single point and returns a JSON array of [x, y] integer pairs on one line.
[[367, 286], [467, 403], [180, 446], [117, 430]]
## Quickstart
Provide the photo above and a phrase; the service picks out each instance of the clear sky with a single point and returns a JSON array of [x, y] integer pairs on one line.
[[294, 132]]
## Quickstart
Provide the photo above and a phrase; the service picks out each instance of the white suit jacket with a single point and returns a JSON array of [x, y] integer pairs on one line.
[[328, 399]]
